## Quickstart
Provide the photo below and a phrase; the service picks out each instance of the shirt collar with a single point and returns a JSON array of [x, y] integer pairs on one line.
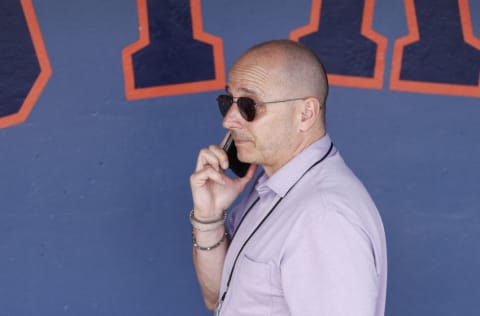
[[285, 177]]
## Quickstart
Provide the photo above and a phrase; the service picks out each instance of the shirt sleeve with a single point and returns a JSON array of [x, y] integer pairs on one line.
[[328, 267]]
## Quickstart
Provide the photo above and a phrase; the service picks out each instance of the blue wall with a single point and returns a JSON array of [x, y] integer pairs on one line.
[[94, 187]]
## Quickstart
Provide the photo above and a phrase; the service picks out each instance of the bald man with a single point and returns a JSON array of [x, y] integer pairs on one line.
[[307, 239]]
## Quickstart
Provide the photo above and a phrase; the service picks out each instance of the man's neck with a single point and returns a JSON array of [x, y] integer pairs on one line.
[[305, 143]]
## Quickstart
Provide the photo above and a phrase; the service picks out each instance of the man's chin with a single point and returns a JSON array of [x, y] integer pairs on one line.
[[246, 153], [244, 158]]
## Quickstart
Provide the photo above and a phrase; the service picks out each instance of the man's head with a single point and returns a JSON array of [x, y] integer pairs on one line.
[[276, 71]]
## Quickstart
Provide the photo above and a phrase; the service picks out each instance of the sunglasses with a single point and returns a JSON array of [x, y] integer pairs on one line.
[[247, 106]]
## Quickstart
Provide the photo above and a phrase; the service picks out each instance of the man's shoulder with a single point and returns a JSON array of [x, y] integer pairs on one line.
[[333, 187], [333, 177]]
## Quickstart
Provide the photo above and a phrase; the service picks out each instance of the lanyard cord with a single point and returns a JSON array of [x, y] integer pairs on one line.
[[261, 223]]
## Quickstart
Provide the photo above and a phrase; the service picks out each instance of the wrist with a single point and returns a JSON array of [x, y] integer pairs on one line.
[[211, 245], [207, 224], [200, 217]]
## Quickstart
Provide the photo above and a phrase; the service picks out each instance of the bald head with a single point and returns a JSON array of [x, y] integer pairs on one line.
[[299, 70]]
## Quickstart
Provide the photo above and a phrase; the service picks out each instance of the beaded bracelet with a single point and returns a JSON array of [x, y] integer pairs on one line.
[[218, 243], [205, 226]]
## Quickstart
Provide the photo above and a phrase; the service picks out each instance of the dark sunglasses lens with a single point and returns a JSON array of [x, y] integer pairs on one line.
[[224, 103], [247, 108]]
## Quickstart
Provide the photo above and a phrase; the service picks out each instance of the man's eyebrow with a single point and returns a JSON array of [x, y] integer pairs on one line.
[[245, 90], [249, 91]]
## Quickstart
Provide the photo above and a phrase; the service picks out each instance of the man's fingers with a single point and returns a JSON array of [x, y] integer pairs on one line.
[[208, 173], [207, 157], [214, 156], [221, 155]]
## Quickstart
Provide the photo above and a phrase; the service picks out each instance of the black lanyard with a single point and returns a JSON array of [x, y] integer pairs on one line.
[[222, 299]]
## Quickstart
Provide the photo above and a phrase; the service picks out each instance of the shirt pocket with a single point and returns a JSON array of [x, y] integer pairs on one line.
[[253, 287]]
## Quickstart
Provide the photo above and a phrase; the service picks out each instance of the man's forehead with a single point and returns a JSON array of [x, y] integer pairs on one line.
[[250, 78]]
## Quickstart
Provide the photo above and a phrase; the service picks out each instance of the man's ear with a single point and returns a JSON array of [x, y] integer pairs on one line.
[[310, 113]]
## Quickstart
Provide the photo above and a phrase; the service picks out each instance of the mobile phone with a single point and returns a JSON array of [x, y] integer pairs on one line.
[[238, 167]]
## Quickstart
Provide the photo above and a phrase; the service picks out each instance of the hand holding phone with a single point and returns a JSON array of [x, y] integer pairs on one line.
[[238, 167]]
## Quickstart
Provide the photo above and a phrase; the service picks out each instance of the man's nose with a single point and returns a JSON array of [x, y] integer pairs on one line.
[[233, 117]]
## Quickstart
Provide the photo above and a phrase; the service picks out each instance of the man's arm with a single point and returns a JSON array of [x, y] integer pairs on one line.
[[213, 192], [209, 264]]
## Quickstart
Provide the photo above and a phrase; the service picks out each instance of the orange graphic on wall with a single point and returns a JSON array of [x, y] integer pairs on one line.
[[375, 82], [45, 69], [218, 82]]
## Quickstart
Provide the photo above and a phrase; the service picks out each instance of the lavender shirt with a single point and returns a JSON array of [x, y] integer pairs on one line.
[[320, 252]]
